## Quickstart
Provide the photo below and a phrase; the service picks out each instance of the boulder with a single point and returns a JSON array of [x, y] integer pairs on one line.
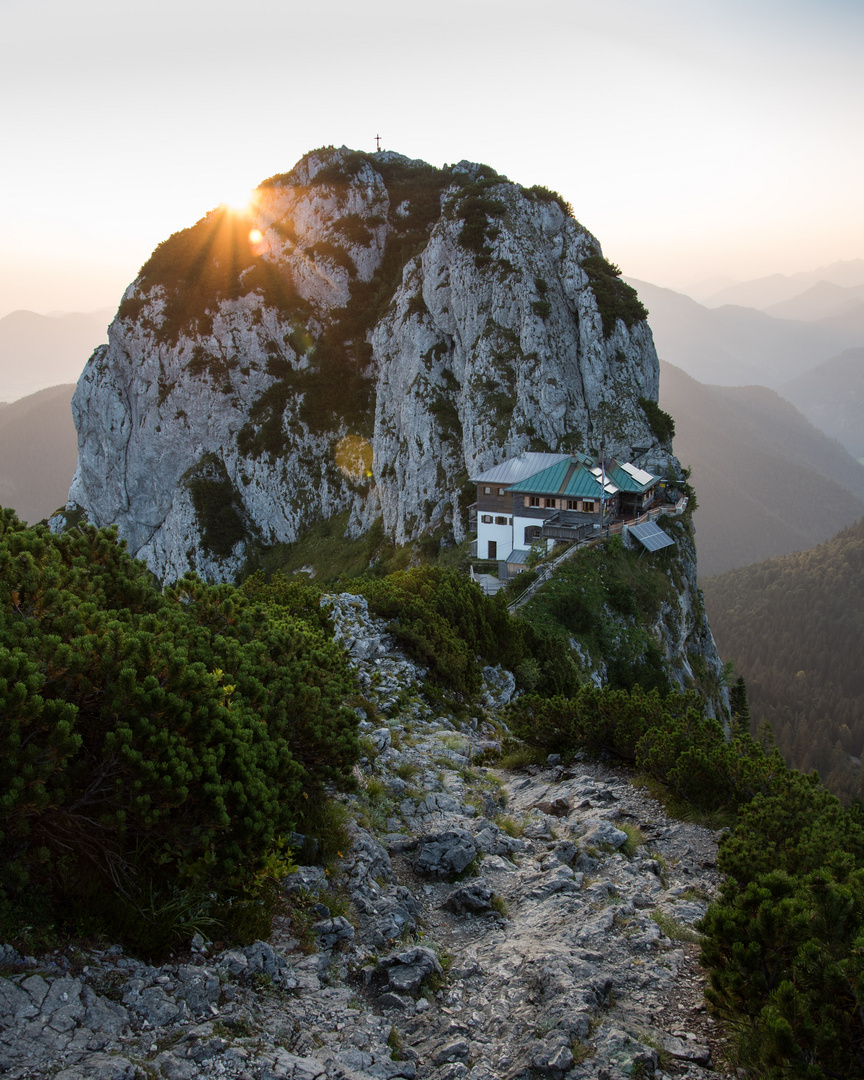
[[408, 969], [445, 854], [471, 898]]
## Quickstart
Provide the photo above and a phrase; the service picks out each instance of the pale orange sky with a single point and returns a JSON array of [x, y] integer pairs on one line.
[[695, 139]]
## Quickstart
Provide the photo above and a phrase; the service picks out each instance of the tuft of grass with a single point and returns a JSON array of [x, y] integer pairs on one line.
[[325, 823], [475, 800], [407, 770], [664, 1058], [673, 929], [522, 758], [397, 1048], [499, 904], [581, 1052], [368, 749], [509, 825], [376, 790], [634, 839], [472, 869], [437, 982], [663, 863]]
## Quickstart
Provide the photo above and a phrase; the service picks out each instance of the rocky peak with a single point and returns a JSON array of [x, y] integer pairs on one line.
[[370, 333]]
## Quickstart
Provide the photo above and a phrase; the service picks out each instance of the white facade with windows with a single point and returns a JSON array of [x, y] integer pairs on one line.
[[497, 531], [494, 536]]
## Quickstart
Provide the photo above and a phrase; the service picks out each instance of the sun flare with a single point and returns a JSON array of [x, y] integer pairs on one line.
[[240, 201]]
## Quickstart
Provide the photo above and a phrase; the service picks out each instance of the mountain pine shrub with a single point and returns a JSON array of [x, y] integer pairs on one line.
[[615, 298], [152, 742]]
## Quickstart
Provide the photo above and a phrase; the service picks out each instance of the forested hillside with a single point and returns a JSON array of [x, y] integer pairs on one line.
[[794, 625]]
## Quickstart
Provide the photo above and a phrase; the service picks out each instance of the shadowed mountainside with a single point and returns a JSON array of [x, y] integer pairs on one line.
[[821, 301], [38, 451], [768, 483], [831, 396]]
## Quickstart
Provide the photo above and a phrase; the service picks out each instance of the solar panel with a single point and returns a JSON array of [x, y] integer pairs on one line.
[[651, 536]]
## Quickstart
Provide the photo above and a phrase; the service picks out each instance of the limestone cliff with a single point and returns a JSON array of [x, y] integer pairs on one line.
[[370, 334]]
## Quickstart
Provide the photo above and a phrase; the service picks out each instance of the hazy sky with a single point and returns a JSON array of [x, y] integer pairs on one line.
[[694, 137]]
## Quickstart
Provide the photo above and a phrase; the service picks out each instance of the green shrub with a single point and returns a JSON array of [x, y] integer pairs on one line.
[[152, 742], [544, 194], [783, 942], [475, 208], [615, 298], [217, 506], [443, 619], [660, 422]]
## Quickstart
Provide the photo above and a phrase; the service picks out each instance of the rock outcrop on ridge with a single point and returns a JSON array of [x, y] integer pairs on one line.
[[370, 334], [499, 925]]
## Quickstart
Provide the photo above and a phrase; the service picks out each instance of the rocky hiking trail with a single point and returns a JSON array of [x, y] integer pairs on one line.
[[498, 925]]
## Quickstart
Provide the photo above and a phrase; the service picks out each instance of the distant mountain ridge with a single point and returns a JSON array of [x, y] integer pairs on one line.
[[831, 396], [777, 288], [823, 300], [767, 481], [736, 346]]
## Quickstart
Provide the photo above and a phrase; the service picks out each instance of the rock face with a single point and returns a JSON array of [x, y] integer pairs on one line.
[[371, 334]]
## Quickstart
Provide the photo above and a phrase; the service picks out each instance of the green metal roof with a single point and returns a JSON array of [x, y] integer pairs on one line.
[[623, 480], [546, 482], [583, 484]]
